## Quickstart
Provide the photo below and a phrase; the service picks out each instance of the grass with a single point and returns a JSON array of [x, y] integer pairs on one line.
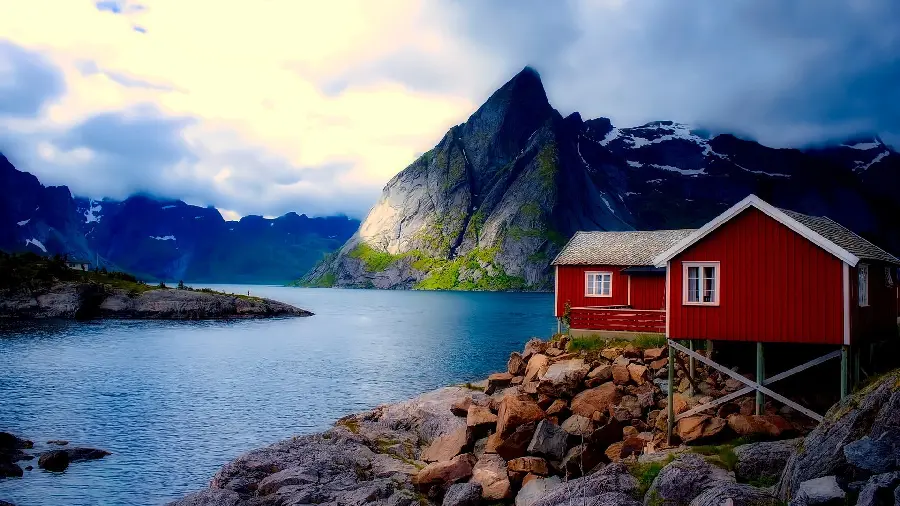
[[470, 386], [719, 455], [372, 259], [647, 472], [596, 343]]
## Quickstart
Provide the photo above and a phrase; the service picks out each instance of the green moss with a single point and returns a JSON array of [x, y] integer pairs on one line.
[[531, 210], [373, 260], [645, 473], [548, 165], [470, 386], [718, 455], [445, 274], [349, 423]]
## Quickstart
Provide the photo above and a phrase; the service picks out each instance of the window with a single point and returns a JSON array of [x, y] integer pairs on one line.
[[863, 285], [701, 283], [598, 284], [888, 281]]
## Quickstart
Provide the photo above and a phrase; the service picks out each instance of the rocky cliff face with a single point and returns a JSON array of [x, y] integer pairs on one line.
[[497, 198]]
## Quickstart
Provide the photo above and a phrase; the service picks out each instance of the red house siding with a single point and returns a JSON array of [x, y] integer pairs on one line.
[[570, 287], [879, 318], [648, 291], [775, 286]]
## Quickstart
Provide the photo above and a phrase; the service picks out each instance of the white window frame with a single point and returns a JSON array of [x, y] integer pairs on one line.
[[587, 283], [684, 283], [862, 277]]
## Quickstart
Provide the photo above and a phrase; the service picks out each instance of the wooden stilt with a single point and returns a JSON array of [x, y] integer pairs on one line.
[[855, 353], [691, 368], [760, 377], [845, 371], [671, 399], [709, 348]]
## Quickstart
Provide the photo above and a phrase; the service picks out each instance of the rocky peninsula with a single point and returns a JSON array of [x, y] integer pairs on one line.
[[587, 428]]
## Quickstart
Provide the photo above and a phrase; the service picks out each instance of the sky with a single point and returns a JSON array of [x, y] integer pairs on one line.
[[269, 106]]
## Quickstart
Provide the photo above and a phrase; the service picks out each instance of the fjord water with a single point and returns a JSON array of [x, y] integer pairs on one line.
[[174, 401]]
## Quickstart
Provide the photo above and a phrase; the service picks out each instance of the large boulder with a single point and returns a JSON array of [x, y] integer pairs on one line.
[[515, 411], [879, 490], [463, 494], [516, 364], [600, 398], [871, 412], [490, 472], [536, 365], [771, 426], [685, 478], [479, 419], [581, 459], [563, 378], [763, 461], [54, 460], [446, 447], [498, 381], [875, 455], [525, 465], [533, 347], [612, 485], [578, 426], [823, 491], [735, 494], [549, 441], [445, 473], [534, 490], [516, 444]]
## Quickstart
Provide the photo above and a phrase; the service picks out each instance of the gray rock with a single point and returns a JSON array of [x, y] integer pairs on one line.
[[549, 441], [683, 479], [880, 490], [873, 455], [535, 489], [763, 461], [210, 497], [563, 378], [9, 469], [735, 494], [54, 460], [79, 454], [613, 482], [871, 412], [822, 491], [463, 494]]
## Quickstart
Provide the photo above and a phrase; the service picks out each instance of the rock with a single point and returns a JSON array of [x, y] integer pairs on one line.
[[515, 411], [533, 465], [446, 447], [658, 365], [490, 472], [516, 364], [463, 494], [581, 459], [516, 445], [876, 456], [638, 373], [629, 431], [58, 442], [607, 434], [535, 489], [879, 490], [610, 486], [480, 419], [498, 380], [628, 407], [536, 366], [763, 461], [759, 425], [9, 469], [79, 454], [444, 473], [577, 425], [613, 452], [554, 352], [54, 460], [563, 378], [517, 380], [631, 351], [735, 494], [603, 373], [620, 374], [651, 354], [823, 491], [685, 478], [549, 441], [585, 403], [557, 408], [610, 353], [461, 407], [211, 497], [533, 347]]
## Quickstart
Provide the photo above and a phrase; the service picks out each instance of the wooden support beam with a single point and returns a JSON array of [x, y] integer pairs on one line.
[[714, 403], [802, 367], [845, 371], [671, 399], [692, 368], [760, 377]]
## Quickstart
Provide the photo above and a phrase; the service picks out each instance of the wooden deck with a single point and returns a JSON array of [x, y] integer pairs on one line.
[[618, 319]]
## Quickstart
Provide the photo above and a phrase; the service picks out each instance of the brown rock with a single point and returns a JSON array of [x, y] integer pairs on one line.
[[533, 347], [536, 366], [690, 428], [516, 444], [780, 426], [581, 459], [620, 374], [748, 406], [680, 403], [578, 425], [563, 378], [528, 477], [493, 441], [659, 364], [498, 381], [585, 403], [461, 407], [517, 380], [490, 473], [652, 354], [545, 401], [644, 395], [516, 364], [559, 406], [629, 431], [762, 425], [728, 409], [447, 446], [515, 411], [603, 373], [632, 446], [614, 451], [638, 373], [480, 418], [631, 351], [611, 353], [533, 465], [627, 408], [553, 352], [713, 427], [607, 434], [530, 387], [444, 473]]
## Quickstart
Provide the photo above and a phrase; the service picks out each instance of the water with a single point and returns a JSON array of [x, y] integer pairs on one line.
[[174, 401]]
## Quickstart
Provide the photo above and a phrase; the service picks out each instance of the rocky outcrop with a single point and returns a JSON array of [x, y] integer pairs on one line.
[[494, 201], [56, 460], [75, 300], [688, 476], [763, 461]]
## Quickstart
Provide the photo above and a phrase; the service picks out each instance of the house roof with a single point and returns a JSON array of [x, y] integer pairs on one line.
[[822, 232], [618, 248], [843, 237]]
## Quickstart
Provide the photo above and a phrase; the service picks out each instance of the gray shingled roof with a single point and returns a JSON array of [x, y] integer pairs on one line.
[[843, 237], [618, 248]]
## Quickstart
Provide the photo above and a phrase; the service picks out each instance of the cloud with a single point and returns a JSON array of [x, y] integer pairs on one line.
[[27, 81]]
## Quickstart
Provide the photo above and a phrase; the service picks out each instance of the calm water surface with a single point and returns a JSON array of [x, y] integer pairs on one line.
[[174, 401]]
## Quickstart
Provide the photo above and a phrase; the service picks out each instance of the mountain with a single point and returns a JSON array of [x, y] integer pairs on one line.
[[162, 239], [496, 199]]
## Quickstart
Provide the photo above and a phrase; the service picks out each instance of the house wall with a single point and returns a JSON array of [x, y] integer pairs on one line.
[[775, 286], [648, 291], [571, 287], [879, 318]]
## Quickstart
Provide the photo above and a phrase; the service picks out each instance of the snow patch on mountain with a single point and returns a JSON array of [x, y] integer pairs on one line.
[[685, 172], [862, 146], [23, 222], [862, 166], [163, 237], [89, 214], [611, 136], [634, 164], [36, 243], [168, 207]]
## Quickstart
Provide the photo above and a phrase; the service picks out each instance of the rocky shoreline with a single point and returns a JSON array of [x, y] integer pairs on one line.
[[82, 300], [56, 457], [561, 428]]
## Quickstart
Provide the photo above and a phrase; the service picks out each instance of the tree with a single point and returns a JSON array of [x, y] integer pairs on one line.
[[181, 285]]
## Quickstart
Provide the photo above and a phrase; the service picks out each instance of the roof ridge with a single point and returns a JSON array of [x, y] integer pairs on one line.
[[860, 237]]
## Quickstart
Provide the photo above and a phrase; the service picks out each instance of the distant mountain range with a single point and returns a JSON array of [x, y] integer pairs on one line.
[[161, 239], [492, 204]]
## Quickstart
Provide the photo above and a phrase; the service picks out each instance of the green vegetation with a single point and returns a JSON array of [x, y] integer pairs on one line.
[[374, 260], [596, 342], [646, 473], [548, 165], [719, 455], [470, 386], [349, 423], [481, 273]]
